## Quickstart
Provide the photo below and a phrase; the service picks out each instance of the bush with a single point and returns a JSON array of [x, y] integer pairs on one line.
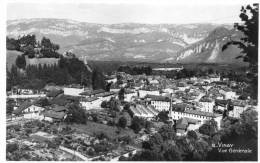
[[101, 135], [76, 114], [127, 139], [11, 148], [20, 61], [122, 122], [139, 123], [192, 135], [163, 116], [104, 104]]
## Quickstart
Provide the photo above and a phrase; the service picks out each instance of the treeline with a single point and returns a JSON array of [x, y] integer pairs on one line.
[[68, 71], [187, 73], [33, 48], [136, 70]]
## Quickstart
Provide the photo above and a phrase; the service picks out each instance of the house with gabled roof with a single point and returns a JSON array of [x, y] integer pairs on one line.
[[29, 110], [55, 113], [185, 124]]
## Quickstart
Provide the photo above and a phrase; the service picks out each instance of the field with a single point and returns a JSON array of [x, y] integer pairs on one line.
[[91, 128], [11, 56]]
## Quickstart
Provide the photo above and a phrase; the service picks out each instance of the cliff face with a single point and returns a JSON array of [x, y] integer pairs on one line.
[[209, 50]]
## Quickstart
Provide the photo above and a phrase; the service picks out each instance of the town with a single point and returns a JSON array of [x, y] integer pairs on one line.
[[73, 122], [129, 82]]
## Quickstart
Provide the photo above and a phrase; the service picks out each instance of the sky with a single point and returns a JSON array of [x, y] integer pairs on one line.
[[128, 12]]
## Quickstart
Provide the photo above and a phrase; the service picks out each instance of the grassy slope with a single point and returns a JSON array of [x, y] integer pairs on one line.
[[12, 54], [11, 57]]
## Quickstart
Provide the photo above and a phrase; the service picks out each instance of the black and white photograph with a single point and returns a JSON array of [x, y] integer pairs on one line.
[[130, 81]]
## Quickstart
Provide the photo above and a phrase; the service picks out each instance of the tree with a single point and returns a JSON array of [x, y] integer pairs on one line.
[[240, 132], [192, 135], [10, 106], [76, 114], [210, 71], [249, 42], [121, 94], [11, 147], [128, 118], [43, 102], [201, 150], [108, 86], [20, 61], [104, 104], [155, 143], [172, 154], [148, 155], [163, 116], [27, 40], [98, 80], [167, 132], [13, 77], [122, 122], [209, 128], [101, 135], [114, 104], [248, 125], [12, 44], [46, 43], [127, 139], [136, 126]]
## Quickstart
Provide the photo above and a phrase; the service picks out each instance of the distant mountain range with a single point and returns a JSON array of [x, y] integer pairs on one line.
[[134, 42]]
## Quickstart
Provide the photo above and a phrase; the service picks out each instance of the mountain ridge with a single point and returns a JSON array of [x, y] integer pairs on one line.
[[127, 41]]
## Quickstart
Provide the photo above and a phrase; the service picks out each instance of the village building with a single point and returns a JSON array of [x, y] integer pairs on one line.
[[179, 111], [214, 78], [239, 106], [29, 110], [91, 93], [228, 93], [221, 104], [186, 124], [143, 92], [160, 103], [55, 114], [111, 79], [147, 112], [207, 104], [73, 90], [182, 86], [90, 103], [129, 95], [93, 99]]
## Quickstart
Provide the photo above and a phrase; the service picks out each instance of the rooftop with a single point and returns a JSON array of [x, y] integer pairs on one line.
[[157, 98], [54, 114], [94, 92], [22, 107]]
